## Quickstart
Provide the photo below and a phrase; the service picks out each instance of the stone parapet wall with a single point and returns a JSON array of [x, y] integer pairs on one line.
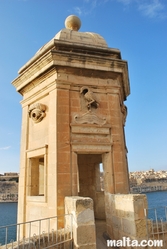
[[125, 216]]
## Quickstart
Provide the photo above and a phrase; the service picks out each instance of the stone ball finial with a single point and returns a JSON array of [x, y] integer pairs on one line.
[[73, 22]]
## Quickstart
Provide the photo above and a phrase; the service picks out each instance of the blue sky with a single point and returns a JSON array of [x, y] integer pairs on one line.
[[137, 27]]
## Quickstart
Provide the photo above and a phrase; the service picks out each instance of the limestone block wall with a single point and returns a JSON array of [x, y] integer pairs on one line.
[[81, 208], [63, 159], [125, 216], [110, 101], [38, 140], [75, 137]]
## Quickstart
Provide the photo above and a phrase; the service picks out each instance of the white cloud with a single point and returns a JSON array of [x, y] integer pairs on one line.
[[153, 8], [78, 10], [5, 148], [150, 8], [85, 9]]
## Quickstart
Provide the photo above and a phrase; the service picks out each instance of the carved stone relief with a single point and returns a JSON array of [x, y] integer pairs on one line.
[[37, 112], [88, 103], [89, 97], [89, 118]]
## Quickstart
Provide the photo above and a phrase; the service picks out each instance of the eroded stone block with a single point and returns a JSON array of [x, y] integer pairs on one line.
[[83, 224]]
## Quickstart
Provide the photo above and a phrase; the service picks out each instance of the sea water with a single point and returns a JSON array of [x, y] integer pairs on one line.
[[157, 205], [8, 216]]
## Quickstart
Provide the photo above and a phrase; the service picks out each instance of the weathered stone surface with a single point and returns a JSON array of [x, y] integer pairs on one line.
[[125, 216], [86, 235], [83, 220], [85, 217]]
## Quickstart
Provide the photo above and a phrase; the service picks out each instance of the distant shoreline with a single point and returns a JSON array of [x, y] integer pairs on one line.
[[7, 201], [145, 192], [163, 190]]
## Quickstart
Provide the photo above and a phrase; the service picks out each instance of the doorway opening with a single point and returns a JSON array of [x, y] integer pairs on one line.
[[90, 181]]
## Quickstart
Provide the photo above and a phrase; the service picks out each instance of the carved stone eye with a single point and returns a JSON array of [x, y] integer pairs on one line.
[[37, 112]]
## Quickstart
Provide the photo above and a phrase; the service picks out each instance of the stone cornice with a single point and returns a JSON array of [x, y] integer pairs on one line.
[[82, 57], [67, 46]]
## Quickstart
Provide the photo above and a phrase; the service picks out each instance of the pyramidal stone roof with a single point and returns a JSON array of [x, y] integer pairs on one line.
[[88, 38], [70, 34]]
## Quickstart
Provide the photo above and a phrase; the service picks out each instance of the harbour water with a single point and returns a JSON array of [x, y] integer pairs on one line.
[[8, 212], [157, 199], [8, 216], [157, 204]]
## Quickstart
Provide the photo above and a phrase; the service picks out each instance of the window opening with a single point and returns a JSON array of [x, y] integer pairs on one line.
[[37, 176]]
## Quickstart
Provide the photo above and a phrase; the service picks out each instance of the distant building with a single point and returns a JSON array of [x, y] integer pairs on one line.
[[148, 181], [9, 187], [9, 176]]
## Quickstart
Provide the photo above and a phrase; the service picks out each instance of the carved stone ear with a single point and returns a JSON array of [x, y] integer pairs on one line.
[[124, 112], [37, 112]]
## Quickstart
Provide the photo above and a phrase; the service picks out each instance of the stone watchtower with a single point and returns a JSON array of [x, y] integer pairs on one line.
[[73, 118]]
